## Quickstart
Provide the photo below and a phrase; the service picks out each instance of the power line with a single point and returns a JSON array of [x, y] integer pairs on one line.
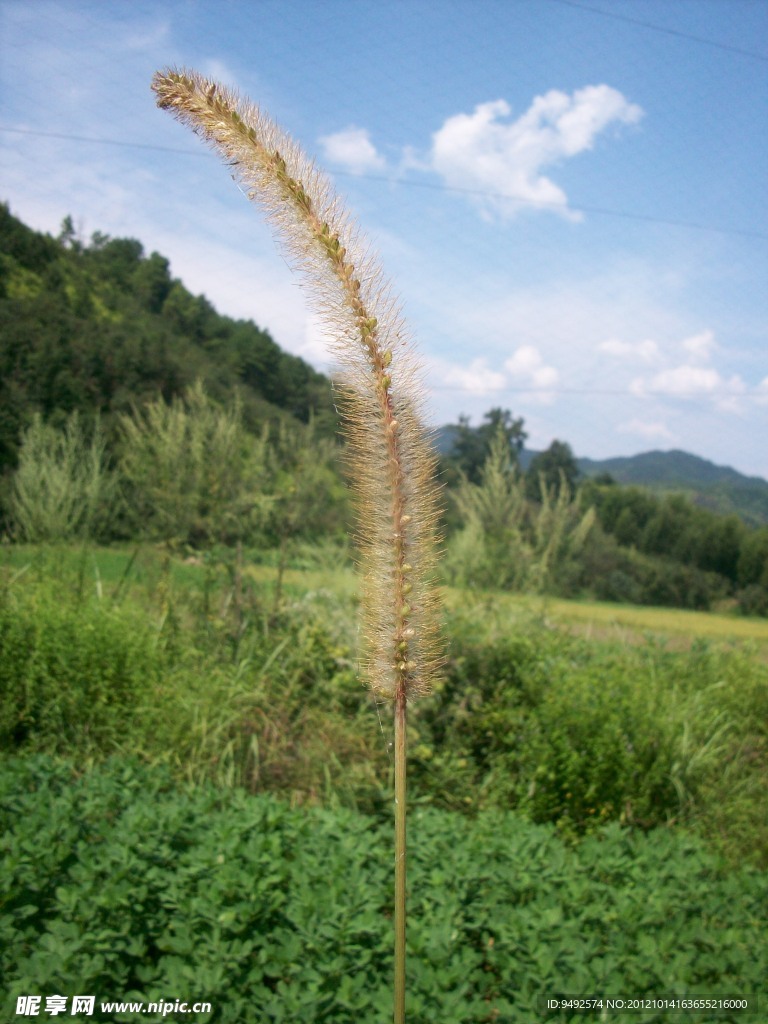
[[661, 28], [600, 210], [409, 183], [615, 392], [101, 142]]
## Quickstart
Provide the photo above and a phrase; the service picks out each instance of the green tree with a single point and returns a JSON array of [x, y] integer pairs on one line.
[[31, 249], [307, 492], [307, 496], [753, 572], [472, 445], [117, 258], [753, 558], [667, 524], [68, 237], [152, 282], [560, 530], [552, 469], [188, 314], [720, 545], [103, 327], [625, 511]]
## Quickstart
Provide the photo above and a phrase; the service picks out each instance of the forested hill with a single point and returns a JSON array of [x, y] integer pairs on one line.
[[718, 488], [101, 326]]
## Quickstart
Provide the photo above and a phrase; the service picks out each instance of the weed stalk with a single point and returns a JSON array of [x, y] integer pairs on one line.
[[391, 457]]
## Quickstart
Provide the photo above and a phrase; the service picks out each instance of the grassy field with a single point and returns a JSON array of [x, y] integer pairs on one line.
[[675, 628], [106, 572], [228, 671], [675, 622]]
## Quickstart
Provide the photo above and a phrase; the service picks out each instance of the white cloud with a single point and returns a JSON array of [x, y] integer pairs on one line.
[[694, 382], [480, 151], [646, 351], [689, 379], [686, 381], [650, 431], [353, 150], [700, 346], [527, 365], [476, 378]]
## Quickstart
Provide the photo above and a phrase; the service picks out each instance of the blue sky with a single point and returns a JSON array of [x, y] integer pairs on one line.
[[569, 197]]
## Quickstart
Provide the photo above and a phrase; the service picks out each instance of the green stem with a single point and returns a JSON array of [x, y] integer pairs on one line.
[[400, 807]]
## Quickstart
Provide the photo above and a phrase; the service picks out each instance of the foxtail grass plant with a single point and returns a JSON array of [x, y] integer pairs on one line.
[[391, 457]]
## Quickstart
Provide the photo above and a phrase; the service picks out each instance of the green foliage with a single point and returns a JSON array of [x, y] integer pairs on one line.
[[719, 489], [507, 542], [120, 883], [611, 572], [62, 487], [189, 664], [670, 526], [191, 472], [753, 560], [647, 548], [103, 327], [73, 674], [30, 249], [560, 531], [666, 551], [285, 713], [577, 733], [209, 680], [490, 549], [471, 446], [308, 497], [553, 469]]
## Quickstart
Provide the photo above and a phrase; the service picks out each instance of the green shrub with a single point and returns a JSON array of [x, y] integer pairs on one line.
[[753, 600], [62, 487], [287, 714], [505, 540], [218, 692], [191, 472], [579, 733]]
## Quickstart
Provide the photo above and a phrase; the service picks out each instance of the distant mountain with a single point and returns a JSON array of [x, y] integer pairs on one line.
[[719, 488], [673, 469]]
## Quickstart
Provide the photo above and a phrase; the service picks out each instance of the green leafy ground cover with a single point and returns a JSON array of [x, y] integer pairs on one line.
[[121, 883]]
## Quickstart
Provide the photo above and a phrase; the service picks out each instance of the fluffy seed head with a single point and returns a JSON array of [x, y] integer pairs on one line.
[[391, 456]]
